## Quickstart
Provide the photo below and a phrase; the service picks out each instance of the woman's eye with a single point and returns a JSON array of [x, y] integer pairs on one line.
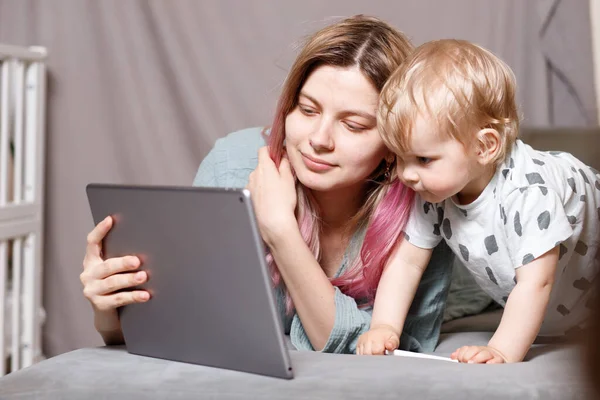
[[424, 160], [307, 111]]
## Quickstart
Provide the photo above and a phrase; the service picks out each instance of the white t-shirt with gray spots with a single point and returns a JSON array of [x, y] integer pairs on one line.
[[535, 201]]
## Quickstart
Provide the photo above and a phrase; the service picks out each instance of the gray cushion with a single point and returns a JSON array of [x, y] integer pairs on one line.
[[484, 322], [111, 373]]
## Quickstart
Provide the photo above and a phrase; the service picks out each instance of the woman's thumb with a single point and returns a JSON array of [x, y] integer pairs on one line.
[[285, 168]]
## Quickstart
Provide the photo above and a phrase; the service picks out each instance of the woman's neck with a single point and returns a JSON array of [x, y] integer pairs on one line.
[[338, 207]]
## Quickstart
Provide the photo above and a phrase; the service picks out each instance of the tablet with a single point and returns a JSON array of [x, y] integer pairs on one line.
[[212, 302]]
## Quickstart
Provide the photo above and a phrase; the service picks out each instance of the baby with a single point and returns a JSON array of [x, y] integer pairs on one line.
[[524, 222]]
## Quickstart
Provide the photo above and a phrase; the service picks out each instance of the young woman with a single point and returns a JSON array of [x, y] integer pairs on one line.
[[328, 206]]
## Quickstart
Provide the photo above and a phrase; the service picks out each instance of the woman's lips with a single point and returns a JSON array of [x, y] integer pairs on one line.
[[315, 164]]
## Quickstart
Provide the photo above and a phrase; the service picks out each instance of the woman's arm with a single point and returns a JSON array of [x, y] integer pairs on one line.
[[310, 289], [274, 199], [229, 164], [351, 321]]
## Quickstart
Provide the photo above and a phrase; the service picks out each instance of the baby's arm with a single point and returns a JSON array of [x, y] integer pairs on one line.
[[395, 292], [522, 317]]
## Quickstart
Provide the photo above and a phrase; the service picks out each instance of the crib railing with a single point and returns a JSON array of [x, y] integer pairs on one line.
[[22, 155]]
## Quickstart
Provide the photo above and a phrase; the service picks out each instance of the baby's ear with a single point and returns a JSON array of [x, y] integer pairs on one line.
[[488, 145]]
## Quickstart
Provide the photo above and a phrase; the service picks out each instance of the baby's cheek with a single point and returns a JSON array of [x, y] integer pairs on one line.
[[440, 182]]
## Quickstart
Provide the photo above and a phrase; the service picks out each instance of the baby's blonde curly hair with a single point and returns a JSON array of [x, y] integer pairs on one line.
[[459, 85]]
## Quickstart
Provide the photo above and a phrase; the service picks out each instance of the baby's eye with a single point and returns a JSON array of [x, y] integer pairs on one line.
[[424, 160], [354, 127]]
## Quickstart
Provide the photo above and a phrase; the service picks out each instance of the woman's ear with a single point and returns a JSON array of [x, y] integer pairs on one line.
[[488, 145]]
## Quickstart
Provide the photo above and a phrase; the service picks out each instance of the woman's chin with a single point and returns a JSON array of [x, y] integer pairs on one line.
[[331, 183], [320, 182], [318, 185]]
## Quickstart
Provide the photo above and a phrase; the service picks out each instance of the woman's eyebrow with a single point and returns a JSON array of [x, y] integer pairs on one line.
[[363, 114], [309, 97]]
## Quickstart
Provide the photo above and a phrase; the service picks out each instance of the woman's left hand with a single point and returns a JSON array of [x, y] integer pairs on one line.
[[273, 194]]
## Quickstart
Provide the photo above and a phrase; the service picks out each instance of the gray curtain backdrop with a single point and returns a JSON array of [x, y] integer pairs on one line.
[[140, 90]]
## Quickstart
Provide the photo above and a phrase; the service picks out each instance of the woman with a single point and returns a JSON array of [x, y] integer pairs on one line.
[[327, 202]]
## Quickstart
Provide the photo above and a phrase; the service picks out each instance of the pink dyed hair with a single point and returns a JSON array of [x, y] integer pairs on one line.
[[377, 50]]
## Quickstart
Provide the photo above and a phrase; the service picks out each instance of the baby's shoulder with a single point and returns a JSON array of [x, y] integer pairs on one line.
[[525, 168]]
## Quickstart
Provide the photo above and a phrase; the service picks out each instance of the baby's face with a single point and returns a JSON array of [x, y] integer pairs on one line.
[[437, 166]]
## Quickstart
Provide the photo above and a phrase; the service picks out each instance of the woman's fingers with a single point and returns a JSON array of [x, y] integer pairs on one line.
[[106, 293], [265, 162], [120, 281], [112, 301], [109, 267], [285, 169], [263, 154], [94, 241], [114, 266], [99, 287], [109, 276], [105, 282]]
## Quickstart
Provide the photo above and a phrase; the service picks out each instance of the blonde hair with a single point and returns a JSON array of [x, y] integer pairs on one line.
[[461, 86]]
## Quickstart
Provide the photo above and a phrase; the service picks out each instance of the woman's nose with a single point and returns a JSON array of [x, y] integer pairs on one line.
[[321, 139]]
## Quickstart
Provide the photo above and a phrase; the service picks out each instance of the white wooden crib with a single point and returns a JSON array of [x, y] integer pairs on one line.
[[22, 156]]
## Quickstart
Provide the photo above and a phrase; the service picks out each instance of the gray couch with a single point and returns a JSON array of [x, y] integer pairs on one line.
[[551, 371]]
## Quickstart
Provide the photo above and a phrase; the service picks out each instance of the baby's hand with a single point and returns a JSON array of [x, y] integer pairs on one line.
[[478, 355], [377, 340]]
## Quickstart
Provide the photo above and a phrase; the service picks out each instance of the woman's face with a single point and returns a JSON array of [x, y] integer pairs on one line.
[[332, 140]]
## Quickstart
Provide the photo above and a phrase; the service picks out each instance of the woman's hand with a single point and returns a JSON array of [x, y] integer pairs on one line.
[[104, 280], [273, 193]]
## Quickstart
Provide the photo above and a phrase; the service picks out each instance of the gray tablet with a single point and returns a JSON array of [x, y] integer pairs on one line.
[[212, 302]]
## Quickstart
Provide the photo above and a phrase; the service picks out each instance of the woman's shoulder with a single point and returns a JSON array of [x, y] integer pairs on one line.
[[247, 140], [232, 159]]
